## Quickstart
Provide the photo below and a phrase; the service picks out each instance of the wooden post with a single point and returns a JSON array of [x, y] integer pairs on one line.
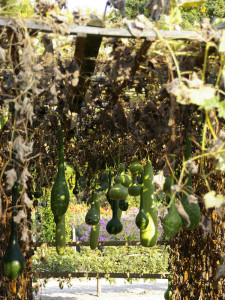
[[99, 290]]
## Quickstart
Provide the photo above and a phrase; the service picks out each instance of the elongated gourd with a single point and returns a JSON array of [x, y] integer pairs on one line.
[[60, 192], [148, 236], [13, 260], [141, 218], [60, 236], [114, 226], [95, 229], [193, 210]]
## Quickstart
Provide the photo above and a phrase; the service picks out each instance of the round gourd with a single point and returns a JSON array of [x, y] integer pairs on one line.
[[118, 192], [92, 216], [118, 179], [123, 205], [141, 220], [126, 180], [136, 167], [121, 168], [135, 188], [172, 223]]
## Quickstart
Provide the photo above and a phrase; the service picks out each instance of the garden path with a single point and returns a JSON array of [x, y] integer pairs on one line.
[[87, 290]]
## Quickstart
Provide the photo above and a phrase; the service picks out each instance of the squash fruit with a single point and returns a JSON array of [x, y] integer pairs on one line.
[[114, 226], [92, 217], [148, 236], [13, 260], [135, 188], [95, 229], [172, 223], [60, 198], [141, 218], [60, 193], [193, 210]]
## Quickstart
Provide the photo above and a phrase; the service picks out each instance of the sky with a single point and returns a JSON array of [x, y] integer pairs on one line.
[[94, 5]]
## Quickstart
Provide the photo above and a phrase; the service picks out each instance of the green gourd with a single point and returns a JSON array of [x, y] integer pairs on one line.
[[109, 187], [172, 223], [118, 192], [136, 167], [126, 180], [60, 192], [168, 292], [114, 226], [92, 216], [13, 260], [148, 236], [141, 218], [60, 236], [135, 188], [123, 205], [95, 229], [193, 210], [121, 168]]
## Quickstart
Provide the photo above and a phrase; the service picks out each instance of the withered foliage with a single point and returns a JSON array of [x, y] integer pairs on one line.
[[125, 109]]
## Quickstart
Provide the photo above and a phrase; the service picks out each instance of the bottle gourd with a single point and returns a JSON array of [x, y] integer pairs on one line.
[[60, 197], [13, 260], [148, 236]]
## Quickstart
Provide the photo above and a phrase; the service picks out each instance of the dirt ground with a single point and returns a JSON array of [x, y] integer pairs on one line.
[[87, 290]]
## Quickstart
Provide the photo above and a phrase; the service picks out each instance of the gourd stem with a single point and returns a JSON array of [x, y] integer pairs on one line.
[[61, 150], [14, 225], [115, 208]]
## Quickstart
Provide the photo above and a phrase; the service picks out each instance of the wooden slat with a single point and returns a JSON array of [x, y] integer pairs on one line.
[[115, 32], [46, 274], [106, 243]]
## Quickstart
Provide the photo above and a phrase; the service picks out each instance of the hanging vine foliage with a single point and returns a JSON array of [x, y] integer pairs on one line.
[[140, 101]]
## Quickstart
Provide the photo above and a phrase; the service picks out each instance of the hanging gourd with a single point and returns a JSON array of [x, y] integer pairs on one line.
[[60, 198], [60, 192], [141, 218], [92, 216], [168, 293], [136, 167], [126, 180], [123, 205], [95, 229], [118, 191], [114, 226], [193, 210], [172, 223], [148, 236], [135, 189], [109, 187], [13, 260]]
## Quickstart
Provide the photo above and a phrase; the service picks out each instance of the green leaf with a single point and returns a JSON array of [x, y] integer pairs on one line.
[[213, 200], [221, 109]]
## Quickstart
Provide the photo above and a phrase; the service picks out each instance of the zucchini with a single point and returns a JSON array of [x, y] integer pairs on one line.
[[148, 236], [95, 229]]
